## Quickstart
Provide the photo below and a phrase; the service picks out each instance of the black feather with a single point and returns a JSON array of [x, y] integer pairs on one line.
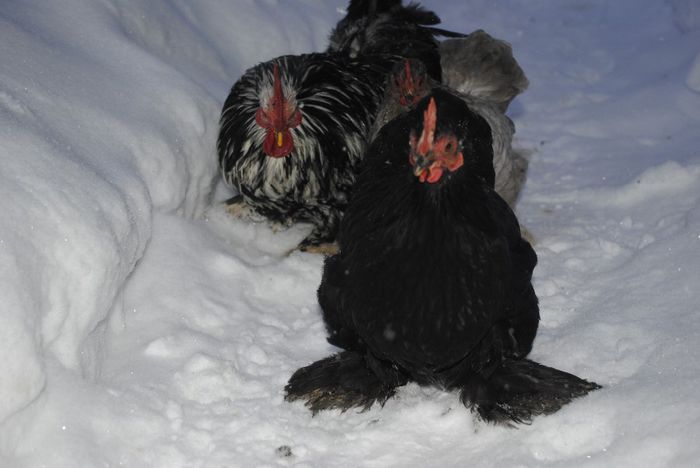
[[519, 389], [433, 283], [341, 381], [367, 8], [390, 28]]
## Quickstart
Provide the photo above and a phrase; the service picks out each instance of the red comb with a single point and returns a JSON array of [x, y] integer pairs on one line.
[[277, 95], [409, 77], [277, 83], [429, 120], [277, 108]]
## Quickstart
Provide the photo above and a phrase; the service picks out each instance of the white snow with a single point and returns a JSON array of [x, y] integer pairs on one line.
[[142, 326], [693, 80]]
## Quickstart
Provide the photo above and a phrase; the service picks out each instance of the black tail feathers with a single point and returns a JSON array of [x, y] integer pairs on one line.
[[341, 381], [446, 33], [359, 9], [367, 8], [518, 390]]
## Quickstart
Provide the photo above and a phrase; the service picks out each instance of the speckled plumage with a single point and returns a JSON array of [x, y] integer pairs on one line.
[[338, 98]]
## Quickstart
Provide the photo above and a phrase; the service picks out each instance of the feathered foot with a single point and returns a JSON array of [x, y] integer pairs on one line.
[[321, 240], [237, 207], [518, 390], [341, 381], [327, 248]]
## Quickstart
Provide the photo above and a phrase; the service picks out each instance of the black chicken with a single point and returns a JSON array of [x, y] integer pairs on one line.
[[373, 27], [409, 82], [433, 282], [295, 129]]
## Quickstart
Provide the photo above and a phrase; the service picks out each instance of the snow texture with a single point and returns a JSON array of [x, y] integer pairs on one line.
[[140, 325]]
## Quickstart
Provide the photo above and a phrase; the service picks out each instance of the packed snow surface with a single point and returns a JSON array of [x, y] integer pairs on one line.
[[142, 326]]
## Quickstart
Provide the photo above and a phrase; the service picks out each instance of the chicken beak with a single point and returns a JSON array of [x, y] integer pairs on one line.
[[420, 164], [280, 139], [417, 170]]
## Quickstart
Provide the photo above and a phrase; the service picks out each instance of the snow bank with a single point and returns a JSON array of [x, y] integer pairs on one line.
[[108, 112], [97, 133]]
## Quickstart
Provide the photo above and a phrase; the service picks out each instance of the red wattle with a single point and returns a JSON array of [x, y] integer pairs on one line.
[[272, 149], [434, 174]]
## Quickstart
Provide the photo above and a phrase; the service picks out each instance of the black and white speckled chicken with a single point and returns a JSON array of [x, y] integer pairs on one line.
[[293, 133], [295, 129], [409, 83], [433, 280]]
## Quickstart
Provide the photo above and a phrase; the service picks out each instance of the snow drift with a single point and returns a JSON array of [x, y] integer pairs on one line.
[[108, 111]]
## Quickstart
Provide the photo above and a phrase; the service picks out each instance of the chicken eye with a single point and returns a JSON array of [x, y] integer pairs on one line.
[[448, 146]]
